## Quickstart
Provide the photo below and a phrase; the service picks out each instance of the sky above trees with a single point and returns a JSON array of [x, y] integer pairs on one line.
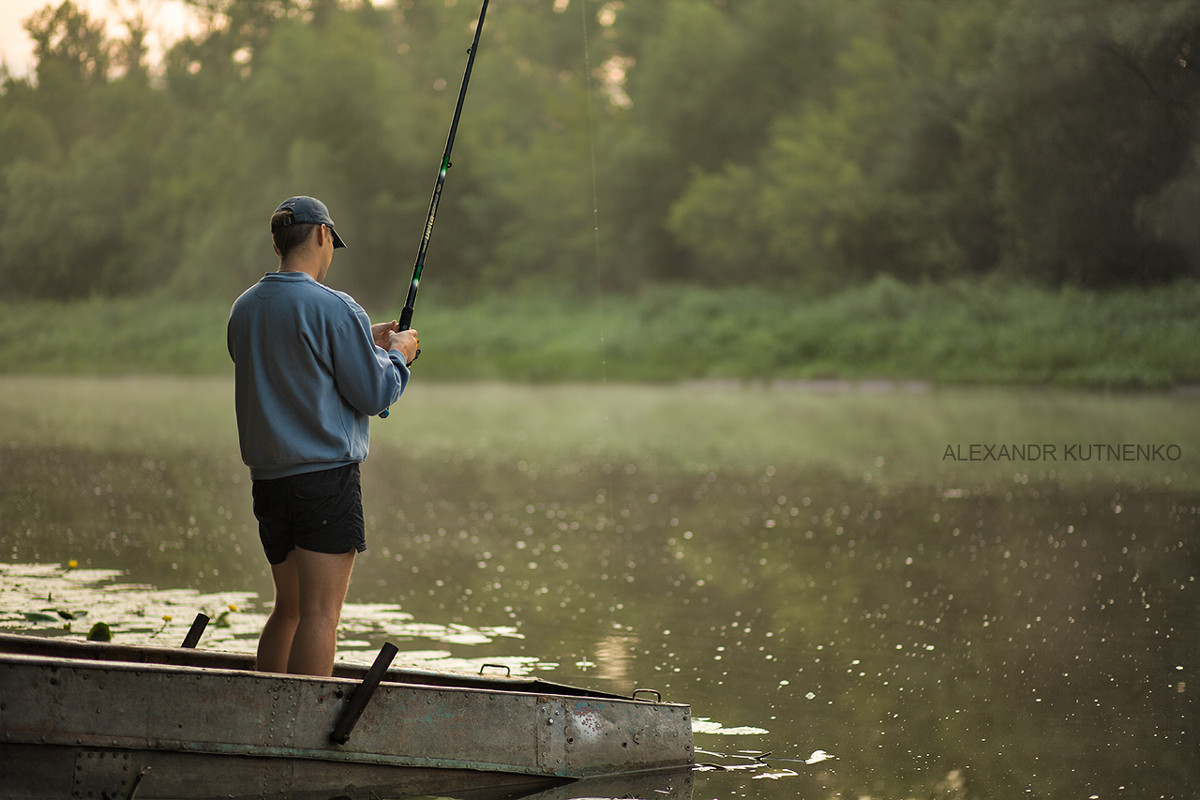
[[168, 20]]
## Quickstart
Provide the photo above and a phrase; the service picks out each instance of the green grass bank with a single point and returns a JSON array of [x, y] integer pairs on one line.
[[958, 333]]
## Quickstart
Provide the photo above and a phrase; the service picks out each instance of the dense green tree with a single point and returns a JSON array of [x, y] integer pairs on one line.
[[73, 59], [1111, 120], [937, 155], [63, 196], [530, 191], [862, 177], [721, 141]]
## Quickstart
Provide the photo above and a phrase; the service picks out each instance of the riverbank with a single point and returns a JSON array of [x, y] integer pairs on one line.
[[958, 333]]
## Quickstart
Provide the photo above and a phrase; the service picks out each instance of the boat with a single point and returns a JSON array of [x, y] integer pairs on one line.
[[102, 720]]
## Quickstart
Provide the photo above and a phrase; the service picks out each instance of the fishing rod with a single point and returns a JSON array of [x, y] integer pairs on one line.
[[419, 266]]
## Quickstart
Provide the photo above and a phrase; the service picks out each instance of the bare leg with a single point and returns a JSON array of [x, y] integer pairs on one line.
[[323, 581], [275, 644]]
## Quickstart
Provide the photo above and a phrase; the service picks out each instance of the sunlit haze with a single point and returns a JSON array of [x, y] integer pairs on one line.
[[167, 20]]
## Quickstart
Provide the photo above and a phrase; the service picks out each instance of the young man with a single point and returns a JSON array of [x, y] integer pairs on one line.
[[310, 371]]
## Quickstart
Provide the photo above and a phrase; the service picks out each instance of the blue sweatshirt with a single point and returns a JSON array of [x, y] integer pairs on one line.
[[308, 376]]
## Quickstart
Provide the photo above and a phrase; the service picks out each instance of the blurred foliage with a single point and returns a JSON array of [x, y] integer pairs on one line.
[[811, 144], [948, 332]]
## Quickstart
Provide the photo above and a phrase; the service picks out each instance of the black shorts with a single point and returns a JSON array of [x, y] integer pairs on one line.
[[318, 511]]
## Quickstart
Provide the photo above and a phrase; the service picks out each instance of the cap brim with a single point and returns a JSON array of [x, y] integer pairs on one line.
[[337, 240]]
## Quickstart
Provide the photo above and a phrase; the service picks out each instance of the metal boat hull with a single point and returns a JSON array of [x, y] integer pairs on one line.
[[74, 725]]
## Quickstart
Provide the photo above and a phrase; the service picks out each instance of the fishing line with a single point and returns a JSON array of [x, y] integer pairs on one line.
[[587, 74], [597, 267]]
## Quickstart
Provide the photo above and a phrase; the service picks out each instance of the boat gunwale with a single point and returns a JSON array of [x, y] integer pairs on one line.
[[347, 682], [70, 651]]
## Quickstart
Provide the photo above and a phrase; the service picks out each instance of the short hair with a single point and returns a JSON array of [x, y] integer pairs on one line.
[[287, 233]]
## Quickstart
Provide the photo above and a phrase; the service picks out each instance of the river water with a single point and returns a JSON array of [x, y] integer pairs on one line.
[[861, 591]]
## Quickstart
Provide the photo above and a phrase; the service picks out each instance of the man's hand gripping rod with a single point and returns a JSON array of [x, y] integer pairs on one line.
[[406, 314]]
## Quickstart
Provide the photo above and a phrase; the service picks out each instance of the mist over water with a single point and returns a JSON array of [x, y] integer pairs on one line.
[[848, 612]]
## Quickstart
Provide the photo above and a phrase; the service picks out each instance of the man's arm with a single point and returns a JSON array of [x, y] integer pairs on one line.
[[370, 378]]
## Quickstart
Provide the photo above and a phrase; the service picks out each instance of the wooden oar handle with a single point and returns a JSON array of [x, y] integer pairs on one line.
[[362, 695]]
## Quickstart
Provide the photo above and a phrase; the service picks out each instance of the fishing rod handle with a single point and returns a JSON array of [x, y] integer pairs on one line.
[[405, 322]]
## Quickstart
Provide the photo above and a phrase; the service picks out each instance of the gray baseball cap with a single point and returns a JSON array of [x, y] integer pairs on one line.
[[312, 210]]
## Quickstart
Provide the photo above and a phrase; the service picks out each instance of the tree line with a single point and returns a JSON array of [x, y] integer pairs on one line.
[[805, 144]]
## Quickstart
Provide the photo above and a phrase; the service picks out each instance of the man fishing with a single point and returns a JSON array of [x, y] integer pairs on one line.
[[310, 370]]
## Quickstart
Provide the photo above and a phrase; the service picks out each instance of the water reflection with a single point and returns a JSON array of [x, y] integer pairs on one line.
[[843, 621], [662, 786], [614, 662]]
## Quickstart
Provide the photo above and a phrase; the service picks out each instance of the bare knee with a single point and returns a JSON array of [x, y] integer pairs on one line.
[[320, 619], [285, 614]]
